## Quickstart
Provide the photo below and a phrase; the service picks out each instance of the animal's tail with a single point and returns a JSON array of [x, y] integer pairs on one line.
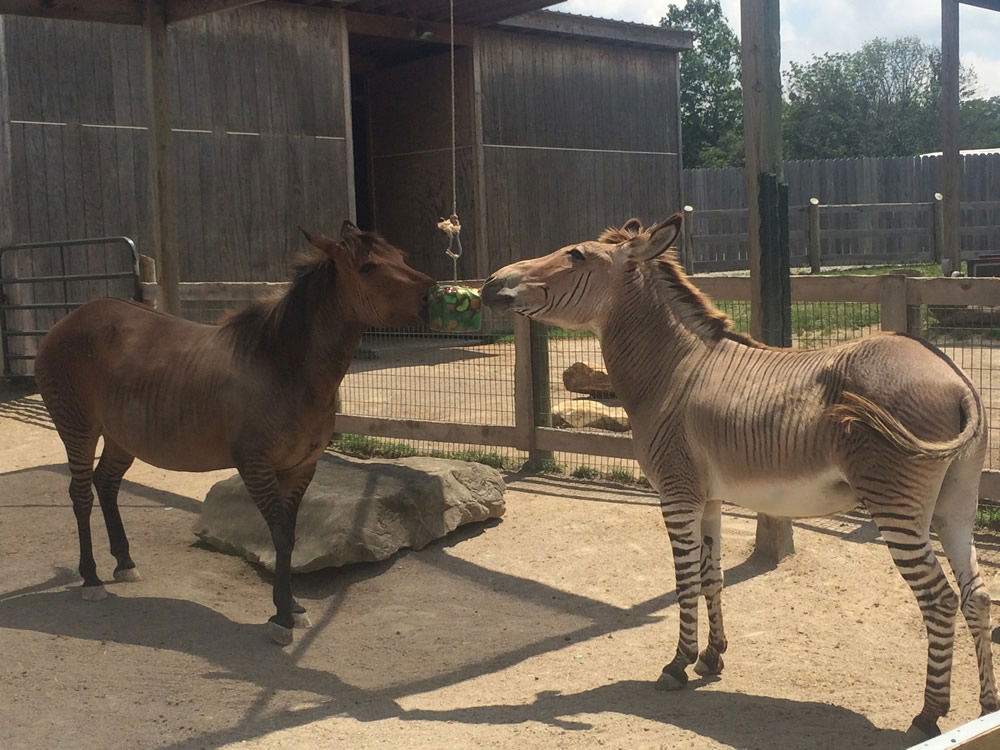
[[860, 410]]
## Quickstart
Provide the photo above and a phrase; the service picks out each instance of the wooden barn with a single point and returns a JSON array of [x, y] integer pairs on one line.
[[304, 113]]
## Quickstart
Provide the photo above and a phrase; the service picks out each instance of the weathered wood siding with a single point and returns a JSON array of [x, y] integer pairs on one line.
[[410, 111], [889, 234], [259, 134], [575, 136]]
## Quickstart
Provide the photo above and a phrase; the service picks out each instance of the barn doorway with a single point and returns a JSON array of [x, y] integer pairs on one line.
[[401, 122]]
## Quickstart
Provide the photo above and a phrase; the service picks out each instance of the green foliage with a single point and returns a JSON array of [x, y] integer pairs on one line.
[[882, 100], [363, 446], [585, 472], [988, 516], [711, 103], [980, 123]]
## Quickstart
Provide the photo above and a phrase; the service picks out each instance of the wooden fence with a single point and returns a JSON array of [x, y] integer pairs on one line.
[[875, 210], [831, 234], [897, 295]]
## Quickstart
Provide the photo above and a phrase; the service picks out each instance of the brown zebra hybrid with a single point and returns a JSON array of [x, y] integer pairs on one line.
[[255, 393], [887, 421]]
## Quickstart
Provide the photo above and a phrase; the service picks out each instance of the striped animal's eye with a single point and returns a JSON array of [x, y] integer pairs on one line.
[[576, 254], [368, 267]]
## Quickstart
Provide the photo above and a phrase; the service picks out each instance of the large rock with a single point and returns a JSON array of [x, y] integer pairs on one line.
[[583, 412], [357, 510], [580, 377]]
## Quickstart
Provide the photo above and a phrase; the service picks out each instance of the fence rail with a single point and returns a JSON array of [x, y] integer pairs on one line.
[[843, 233], [899, 300]]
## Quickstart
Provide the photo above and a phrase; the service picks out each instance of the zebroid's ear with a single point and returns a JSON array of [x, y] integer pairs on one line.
[[348, 230], [656, 240], [319, 241]]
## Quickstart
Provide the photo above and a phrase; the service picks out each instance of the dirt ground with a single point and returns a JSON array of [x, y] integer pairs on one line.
[[546, 629]]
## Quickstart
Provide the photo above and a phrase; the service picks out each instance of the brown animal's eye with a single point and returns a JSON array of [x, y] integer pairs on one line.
[[368, 268], [576, 254]]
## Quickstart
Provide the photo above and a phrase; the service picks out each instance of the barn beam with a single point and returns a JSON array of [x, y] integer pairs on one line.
[[761, 78], [180, 10], [951, 178], [161, 165], [106, 11]]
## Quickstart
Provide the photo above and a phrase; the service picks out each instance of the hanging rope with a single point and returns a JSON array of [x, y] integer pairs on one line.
[[452, 226]]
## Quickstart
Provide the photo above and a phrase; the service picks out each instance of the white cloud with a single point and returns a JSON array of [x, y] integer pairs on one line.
[[811, 28]]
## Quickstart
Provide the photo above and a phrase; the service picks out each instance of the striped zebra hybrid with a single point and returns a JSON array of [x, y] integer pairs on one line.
[[256, 393], [888, 421]]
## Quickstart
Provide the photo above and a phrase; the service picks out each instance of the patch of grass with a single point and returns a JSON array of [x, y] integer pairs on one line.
[[480, 457], [585, 472], [549, 466], [926, 269], [363, 446], [621, 476], [988, 517]]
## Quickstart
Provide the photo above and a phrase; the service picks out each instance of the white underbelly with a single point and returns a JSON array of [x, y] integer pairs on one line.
[[818, 494]]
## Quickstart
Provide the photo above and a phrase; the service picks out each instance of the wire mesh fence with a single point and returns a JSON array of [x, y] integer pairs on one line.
[[469, 379]]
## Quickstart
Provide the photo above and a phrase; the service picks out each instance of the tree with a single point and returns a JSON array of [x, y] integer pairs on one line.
[[711, 99], [980, 123], [883, 100]]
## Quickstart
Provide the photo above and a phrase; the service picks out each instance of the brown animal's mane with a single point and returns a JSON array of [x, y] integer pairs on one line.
[[280, 325], [697, 311]]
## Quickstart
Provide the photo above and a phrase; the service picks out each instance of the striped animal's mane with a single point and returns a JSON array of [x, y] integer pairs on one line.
[[694, 308]]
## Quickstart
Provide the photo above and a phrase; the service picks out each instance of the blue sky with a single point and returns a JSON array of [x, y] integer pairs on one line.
[[812, 28]]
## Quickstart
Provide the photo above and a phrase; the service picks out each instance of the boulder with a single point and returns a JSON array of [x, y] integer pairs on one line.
[[580, 377], [584, 412], [357, 510]]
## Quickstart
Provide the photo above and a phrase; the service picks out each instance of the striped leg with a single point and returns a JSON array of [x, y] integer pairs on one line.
[[710, 660], [80, 455], [114, 462], [278, 501], [906, 532], [954, 516], [683, 518]]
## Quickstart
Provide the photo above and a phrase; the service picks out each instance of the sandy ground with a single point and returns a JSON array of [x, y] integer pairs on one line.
[[545, 629]]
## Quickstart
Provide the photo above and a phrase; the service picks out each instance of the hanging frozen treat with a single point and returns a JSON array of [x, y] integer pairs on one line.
[[451, 308]]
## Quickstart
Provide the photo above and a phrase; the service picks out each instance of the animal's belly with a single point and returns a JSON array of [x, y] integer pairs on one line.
[[818, 494], [189, 446]]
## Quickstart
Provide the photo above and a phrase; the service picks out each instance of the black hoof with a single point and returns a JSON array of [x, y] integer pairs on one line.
[[672, 678], [926, 724], [709, 663]]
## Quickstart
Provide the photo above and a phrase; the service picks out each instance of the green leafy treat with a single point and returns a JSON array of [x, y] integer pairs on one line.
[[454, 308]]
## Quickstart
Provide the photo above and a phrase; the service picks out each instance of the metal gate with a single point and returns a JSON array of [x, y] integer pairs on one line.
[[61, 280]]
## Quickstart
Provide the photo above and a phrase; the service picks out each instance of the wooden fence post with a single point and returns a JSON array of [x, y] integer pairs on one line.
[[541, 397], [688, 240], [524, 401], [937, 227], [814, 239], [893, 314], [147, 280], [774, 538]]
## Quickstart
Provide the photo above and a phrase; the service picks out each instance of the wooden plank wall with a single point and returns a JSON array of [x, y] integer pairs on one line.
[[852, 181], [410, 114], [259, 133], [258, 125], [576, 137]]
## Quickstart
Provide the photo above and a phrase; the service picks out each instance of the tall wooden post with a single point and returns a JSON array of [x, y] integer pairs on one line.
[[761, 61], [950, 167], [161, 163]]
